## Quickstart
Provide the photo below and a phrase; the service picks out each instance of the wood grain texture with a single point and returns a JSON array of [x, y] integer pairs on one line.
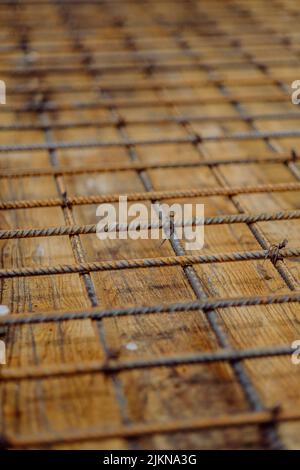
[[152, 395]]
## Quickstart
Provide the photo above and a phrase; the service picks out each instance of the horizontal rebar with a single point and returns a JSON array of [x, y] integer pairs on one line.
[[153, 120], [143, 85], [111, 265], [251, 418], [48, 47], [154, 65], [260, 39], [126, 166], [76, 29], [92, 367], [126, 56], [52, 106], [205, 305], [149, 195], [257, 37], [65, 230], [193, 139]]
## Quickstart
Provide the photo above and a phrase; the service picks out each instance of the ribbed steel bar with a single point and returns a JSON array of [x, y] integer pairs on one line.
[[254, 418], [55, 106], [116, 167], [283, 270], [260, 41], [150, 195], [206, 305], [137, 142], [184, 260], [117, 385], [67, 230], [127, 67], [195, 282], [86, 368]]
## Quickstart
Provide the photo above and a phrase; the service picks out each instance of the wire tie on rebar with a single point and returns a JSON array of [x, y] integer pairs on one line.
[[273, 252], [275, 411], [294, 155], [65, 203], [197, 139], [120, 122]]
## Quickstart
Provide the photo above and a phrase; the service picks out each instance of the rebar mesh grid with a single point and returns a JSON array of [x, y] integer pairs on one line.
[[158, 100]]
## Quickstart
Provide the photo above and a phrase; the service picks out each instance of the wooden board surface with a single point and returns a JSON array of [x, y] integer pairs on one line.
[[164, 394]]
